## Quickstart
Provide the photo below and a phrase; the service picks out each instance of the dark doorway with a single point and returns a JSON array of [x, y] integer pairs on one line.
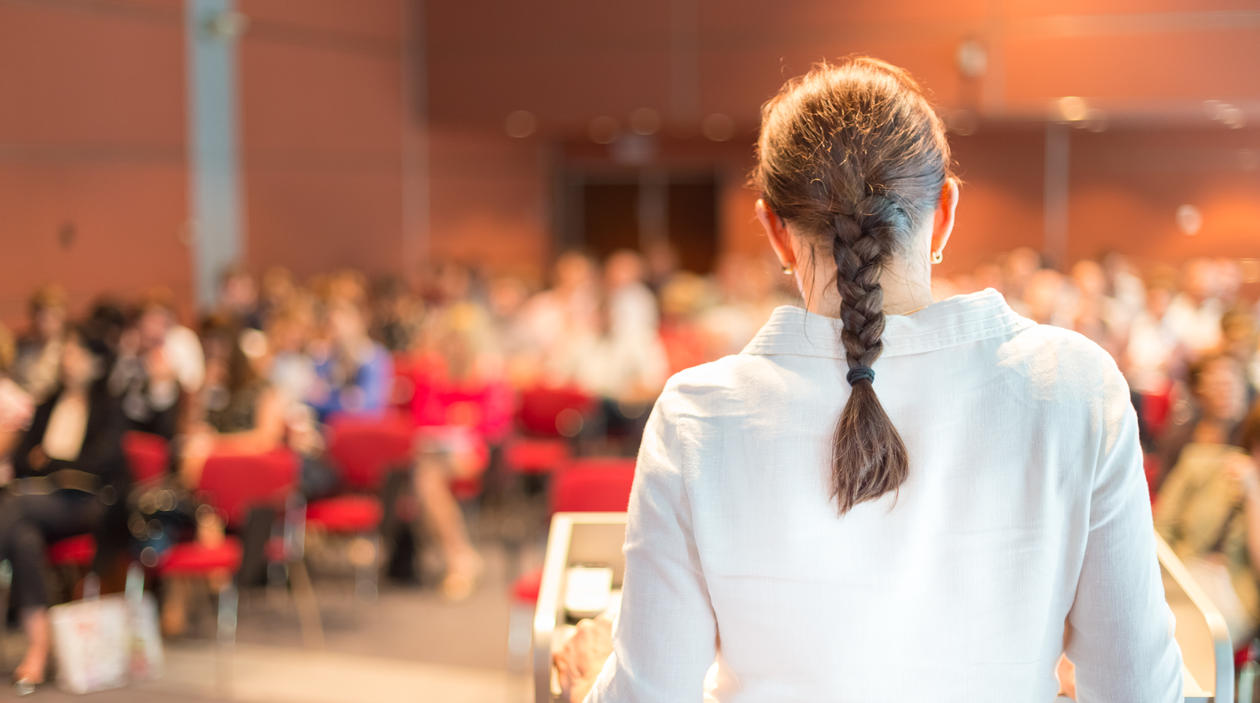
[[630, 210]]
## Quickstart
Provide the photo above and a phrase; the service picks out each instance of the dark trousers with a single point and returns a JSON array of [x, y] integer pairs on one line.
[[29, 523]]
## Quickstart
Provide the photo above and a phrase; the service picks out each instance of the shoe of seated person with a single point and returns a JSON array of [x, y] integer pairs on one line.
[[461, 579]]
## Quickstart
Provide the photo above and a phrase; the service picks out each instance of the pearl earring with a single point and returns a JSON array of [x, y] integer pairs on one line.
[[937, 257], [787, 270]]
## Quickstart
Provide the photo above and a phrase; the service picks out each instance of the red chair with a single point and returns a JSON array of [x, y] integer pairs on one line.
[[592, 485], [1156, 407], [367, 449], [73, 552], [549, 419], [372, 455], [148, 458], [483, 410], [233, 484], [412, 376]]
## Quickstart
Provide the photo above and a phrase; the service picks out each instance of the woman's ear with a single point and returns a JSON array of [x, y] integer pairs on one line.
[[943, 221], [777, 233]]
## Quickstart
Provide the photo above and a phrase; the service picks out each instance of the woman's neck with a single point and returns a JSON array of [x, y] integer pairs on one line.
[[906, 289]]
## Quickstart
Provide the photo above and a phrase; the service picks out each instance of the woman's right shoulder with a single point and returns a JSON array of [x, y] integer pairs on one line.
[[718, 388]]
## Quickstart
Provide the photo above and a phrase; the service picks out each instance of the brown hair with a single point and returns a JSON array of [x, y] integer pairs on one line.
[[7, 350], [1250, 435], [46, 297], [853, 155]]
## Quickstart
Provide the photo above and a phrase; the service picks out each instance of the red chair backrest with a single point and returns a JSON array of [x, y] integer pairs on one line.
[[412, 378], [235, 483], [593, 485], [553, 412], [367, 449], [1155, 409], [148, 456]]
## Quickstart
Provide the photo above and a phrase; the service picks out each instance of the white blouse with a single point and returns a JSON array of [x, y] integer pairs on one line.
[[1026, 506]]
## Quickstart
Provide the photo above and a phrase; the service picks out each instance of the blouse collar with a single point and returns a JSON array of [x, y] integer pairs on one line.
[[958, 320]]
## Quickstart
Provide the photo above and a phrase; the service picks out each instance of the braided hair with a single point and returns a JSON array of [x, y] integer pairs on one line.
[[854, 156]]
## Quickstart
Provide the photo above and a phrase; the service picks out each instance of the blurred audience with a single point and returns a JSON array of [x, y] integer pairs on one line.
[[1210, 414], [278, 358], [1207, 509]]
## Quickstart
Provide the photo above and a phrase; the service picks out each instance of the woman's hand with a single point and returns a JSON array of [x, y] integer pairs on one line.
[[578, 662], [1065, 672]]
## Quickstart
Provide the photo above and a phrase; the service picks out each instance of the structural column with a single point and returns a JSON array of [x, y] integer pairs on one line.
[[212, 28]]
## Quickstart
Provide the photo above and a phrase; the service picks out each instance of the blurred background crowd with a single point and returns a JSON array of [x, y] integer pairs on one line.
[[463, 365]]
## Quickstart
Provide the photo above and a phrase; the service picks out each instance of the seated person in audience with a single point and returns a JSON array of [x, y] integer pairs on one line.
[[1211, 415], [1240, 339], [461, 406], [551, 317], [291, 373], [1151, 349], [277, 290], [16, 407], [38, 359], [1244, 469], [624, 371], [684, 339], [632, 307], [70, 479], [1195, 313], [160, 362], [238, 298], [236, 412], [395, 314], [1202, 509], [354, 374], [291, 369]]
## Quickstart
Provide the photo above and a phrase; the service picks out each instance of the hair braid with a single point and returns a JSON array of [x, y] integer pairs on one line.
[[859, 257], [875, 450]]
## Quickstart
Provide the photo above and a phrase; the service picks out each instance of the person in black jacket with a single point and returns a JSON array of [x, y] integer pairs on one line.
[[70, 478]]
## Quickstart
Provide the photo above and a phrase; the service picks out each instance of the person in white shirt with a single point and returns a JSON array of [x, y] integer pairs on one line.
[[632, 308], [1195, 314], [982, 487], [160, 363]]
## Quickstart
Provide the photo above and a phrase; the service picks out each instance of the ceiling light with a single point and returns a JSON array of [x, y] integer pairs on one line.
[[1072, 108]]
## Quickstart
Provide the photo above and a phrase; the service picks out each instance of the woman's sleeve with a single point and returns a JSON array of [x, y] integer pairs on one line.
[[665, 637], [1122, 641]]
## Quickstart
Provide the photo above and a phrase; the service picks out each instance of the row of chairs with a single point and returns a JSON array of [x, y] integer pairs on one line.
[[368, 453], [366, 450]]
